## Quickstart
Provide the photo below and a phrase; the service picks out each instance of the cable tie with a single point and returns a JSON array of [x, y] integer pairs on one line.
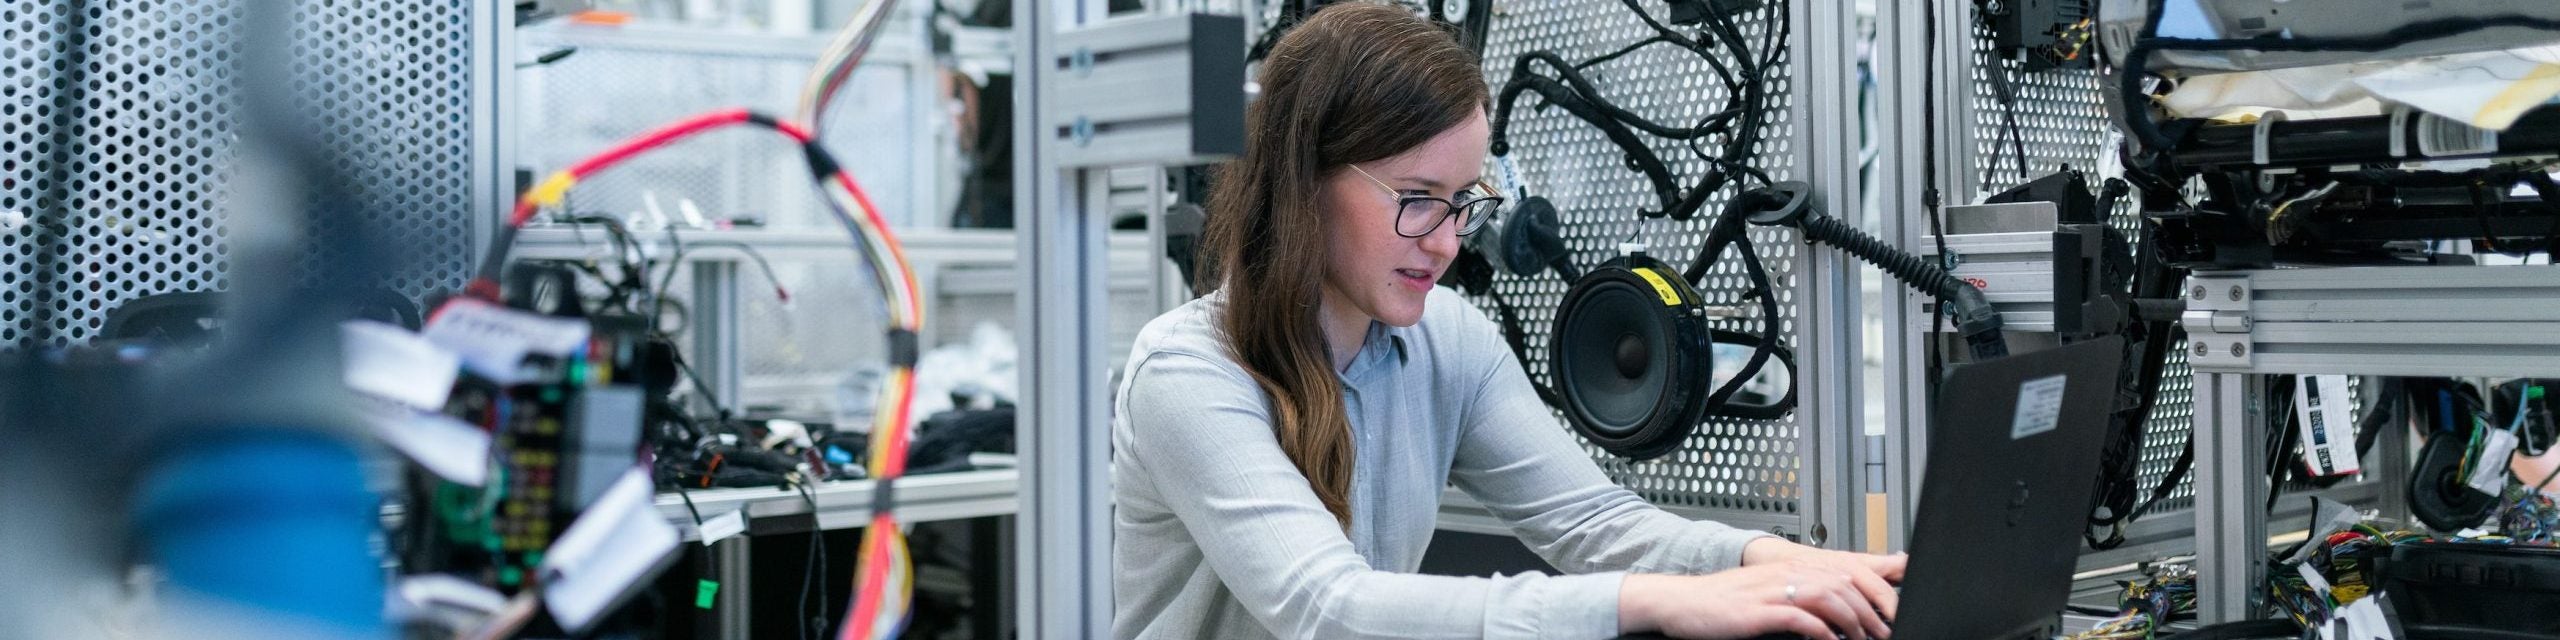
[[884, 496], [902, 348], [552, 189]]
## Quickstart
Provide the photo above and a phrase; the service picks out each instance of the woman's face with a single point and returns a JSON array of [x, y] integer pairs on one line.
[[1374, 270]]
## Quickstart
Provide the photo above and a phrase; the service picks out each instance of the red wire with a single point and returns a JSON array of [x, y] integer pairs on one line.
[[644, 142], [867, 599]]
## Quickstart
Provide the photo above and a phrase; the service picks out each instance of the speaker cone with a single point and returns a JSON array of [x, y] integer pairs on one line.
[[1630, 357]]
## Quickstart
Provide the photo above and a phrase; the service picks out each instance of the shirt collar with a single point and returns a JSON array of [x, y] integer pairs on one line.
[[1380, 351]]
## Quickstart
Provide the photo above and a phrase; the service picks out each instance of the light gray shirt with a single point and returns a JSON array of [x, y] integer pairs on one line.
[[1219, 536]]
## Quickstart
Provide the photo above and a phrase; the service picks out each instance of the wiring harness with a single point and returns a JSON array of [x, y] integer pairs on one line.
[[1471, 23], [1742, 66], [1741, 122], [2147, 606], [886, 576]]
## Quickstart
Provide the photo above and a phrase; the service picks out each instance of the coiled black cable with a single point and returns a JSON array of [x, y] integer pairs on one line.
[[1787, 204]]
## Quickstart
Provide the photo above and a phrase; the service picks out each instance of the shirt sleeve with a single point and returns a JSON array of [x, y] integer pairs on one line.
[[1203, 431], [1521, 464]]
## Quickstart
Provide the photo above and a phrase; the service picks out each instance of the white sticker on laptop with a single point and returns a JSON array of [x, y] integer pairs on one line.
[[2039, 406]]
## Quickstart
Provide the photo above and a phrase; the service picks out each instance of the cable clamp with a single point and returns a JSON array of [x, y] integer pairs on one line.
[[2258, 152]]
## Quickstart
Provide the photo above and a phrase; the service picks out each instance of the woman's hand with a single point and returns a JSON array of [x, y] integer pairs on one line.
[[1800, 598], [1875, 574], [1851, 592]]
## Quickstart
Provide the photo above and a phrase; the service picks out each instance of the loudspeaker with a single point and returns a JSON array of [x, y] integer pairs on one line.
[[1631, 356], [2438, 494]]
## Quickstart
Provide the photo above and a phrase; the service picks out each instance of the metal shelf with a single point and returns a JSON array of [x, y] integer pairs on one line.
[[847, 504]]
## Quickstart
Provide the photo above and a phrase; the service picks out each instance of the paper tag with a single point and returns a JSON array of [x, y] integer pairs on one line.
[[438, 590], [2318, 584], [2364, 620], [2039, 406], [493, 340], [2328, 424], [2489, 472], [390, 362], [723, 526], [1507, 174], [610, 550], [450, 448]]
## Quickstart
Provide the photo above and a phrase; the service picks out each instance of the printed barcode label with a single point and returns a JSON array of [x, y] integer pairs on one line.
[[2321, 406], [2039, 406], [2444, 137]]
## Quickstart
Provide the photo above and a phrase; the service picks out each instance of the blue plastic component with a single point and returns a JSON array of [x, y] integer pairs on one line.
[[274, 521]]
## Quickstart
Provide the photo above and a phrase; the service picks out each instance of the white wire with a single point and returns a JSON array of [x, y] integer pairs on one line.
[[836, 65]]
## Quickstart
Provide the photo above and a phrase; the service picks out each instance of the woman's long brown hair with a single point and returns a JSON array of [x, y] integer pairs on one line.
[[1354, 83]]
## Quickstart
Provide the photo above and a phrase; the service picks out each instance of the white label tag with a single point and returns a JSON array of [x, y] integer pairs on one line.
[[450, 448], [493, 340], [2364, 620], [1507, 174], [607, 552], [390, 362], [2039, 406], [2328, 422], [723, 526], [2318, 584], [2489, 473]]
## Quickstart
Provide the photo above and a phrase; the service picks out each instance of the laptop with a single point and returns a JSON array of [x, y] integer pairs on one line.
[[2012, 460], [2013, 457]]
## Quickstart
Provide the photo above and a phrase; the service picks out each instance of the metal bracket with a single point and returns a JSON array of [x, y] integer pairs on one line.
[[1159, 90], [2412, 321], [2217, 322]]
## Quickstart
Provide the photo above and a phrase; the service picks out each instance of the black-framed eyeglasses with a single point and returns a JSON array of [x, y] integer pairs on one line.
[[1419, 215]]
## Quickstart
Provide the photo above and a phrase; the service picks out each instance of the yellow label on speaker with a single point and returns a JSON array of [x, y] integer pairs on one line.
[[1670, 297]]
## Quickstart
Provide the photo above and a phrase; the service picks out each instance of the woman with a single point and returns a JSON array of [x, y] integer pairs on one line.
[[1283, 441]]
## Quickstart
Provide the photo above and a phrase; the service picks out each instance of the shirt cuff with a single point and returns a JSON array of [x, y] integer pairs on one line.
[[1584, 606], [1725, 552]]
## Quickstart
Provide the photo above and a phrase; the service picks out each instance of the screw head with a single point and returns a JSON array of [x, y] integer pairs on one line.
[[2238, 349], [1081, 61], [2235, 293], [2198, 293], [1082, 131], [2203, 349]]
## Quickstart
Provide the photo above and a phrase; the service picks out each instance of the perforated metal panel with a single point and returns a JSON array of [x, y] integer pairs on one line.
[[28, 44], [618, 86], [2060, 116], [151, 111], [1727, 464]]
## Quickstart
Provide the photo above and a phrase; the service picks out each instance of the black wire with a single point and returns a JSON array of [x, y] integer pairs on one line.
[[1761, 353], [809, 576], [818, 559], [634, 275], [1639, 45], [2002, 89]]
